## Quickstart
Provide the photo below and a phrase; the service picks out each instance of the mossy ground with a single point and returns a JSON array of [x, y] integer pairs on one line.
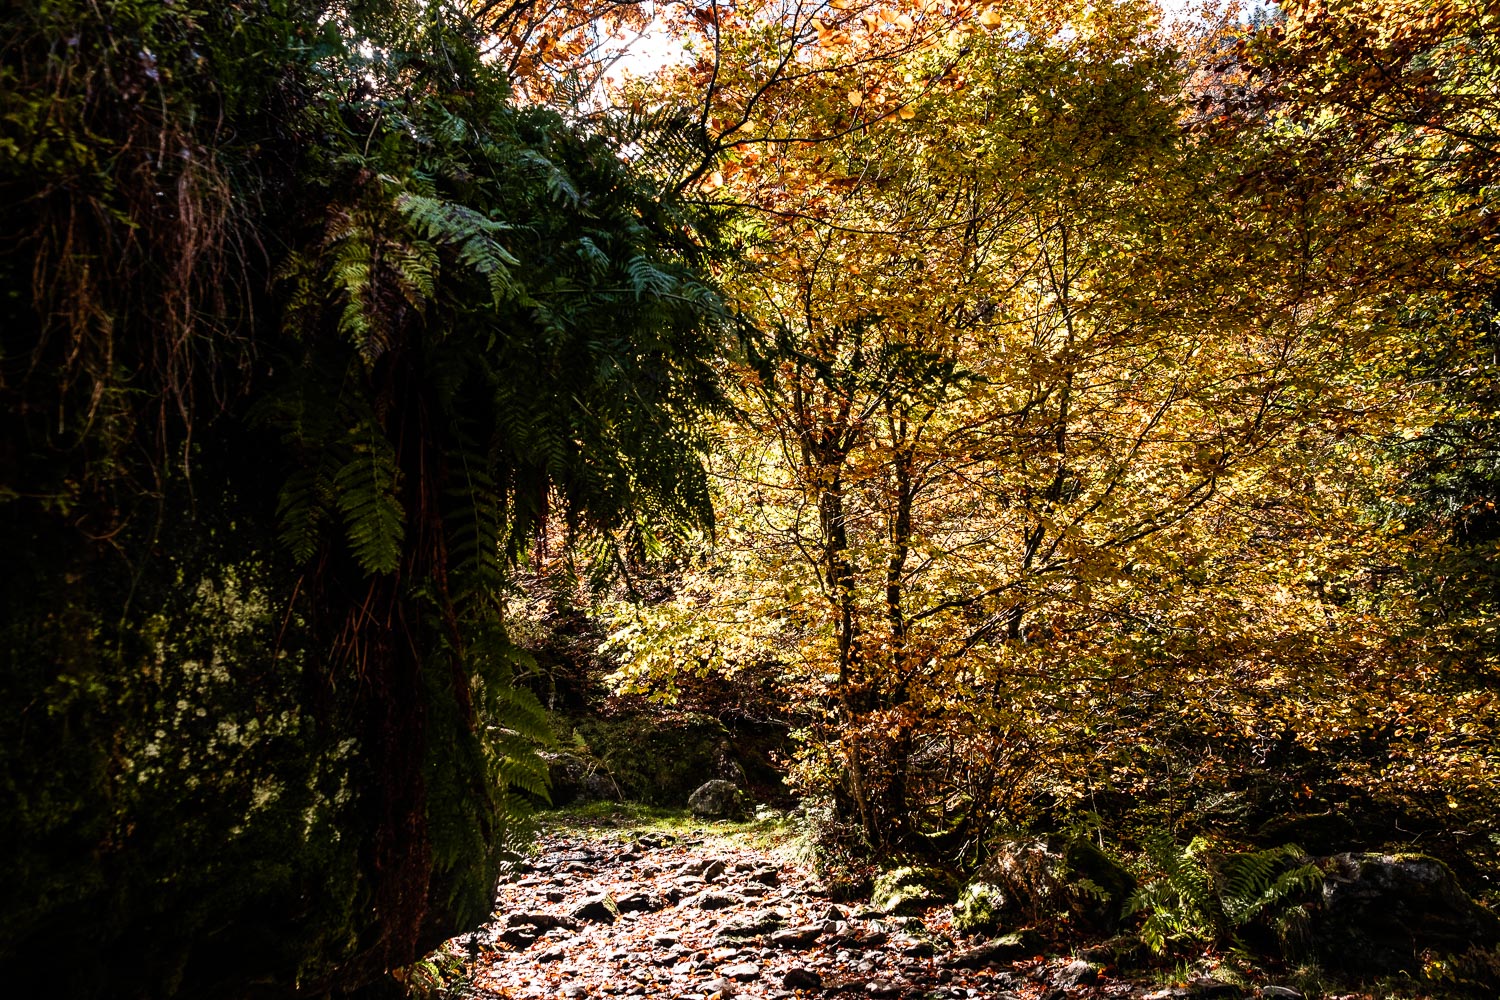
[[779, 835]]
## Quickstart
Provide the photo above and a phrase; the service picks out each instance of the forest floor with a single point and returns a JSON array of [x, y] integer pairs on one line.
[[631, 904]]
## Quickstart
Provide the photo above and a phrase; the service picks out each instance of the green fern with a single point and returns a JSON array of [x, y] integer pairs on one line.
[[1204, 895], [299, 513], [559, 186], [365, 492], [471, 232], [647, 279]]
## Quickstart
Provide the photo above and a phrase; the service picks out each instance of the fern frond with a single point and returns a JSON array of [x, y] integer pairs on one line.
[[299, 512], [647, 279], [470, 232], [1203, 895], [365, 492], [559, 186], [589, 252]]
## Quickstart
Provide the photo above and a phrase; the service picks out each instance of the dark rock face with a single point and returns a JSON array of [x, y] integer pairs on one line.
[[1380, 911], [575, 779], [1085, 862], [661, 760], [1209, 988], [718, 799]]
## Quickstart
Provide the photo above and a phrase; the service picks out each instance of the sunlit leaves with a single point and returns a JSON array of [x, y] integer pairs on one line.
[[1076, 377]]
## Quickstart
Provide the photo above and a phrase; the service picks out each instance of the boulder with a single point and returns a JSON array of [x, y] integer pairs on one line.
[[979, 909], [1042, 877], [910, 889], [718, 799], [1380, 911]]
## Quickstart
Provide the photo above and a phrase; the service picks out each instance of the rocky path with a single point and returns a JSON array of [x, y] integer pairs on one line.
[[615, 914]]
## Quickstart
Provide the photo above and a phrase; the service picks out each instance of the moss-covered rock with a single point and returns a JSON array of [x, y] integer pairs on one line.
[[1096, 885], [659, 759], [1048, 878], [909, 889], [719, 799], [980, 909], [572, 777]]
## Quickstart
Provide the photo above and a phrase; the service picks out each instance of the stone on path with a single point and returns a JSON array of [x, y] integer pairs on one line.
[[998, 951], [797, 937], [638, 902], [601, 909], [715, 901], [541, 921], [743, 972], [1077, 973], [798, 978]]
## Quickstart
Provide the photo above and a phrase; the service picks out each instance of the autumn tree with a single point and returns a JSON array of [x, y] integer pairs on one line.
[[1045, 480]]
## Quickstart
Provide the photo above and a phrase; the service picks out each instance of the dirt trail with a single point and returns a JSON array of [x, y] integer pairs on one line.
[[624, 914]]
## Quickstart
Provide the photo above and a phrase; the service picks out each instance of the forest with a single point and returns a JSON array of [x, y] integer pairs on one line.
[[1015, 477]]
